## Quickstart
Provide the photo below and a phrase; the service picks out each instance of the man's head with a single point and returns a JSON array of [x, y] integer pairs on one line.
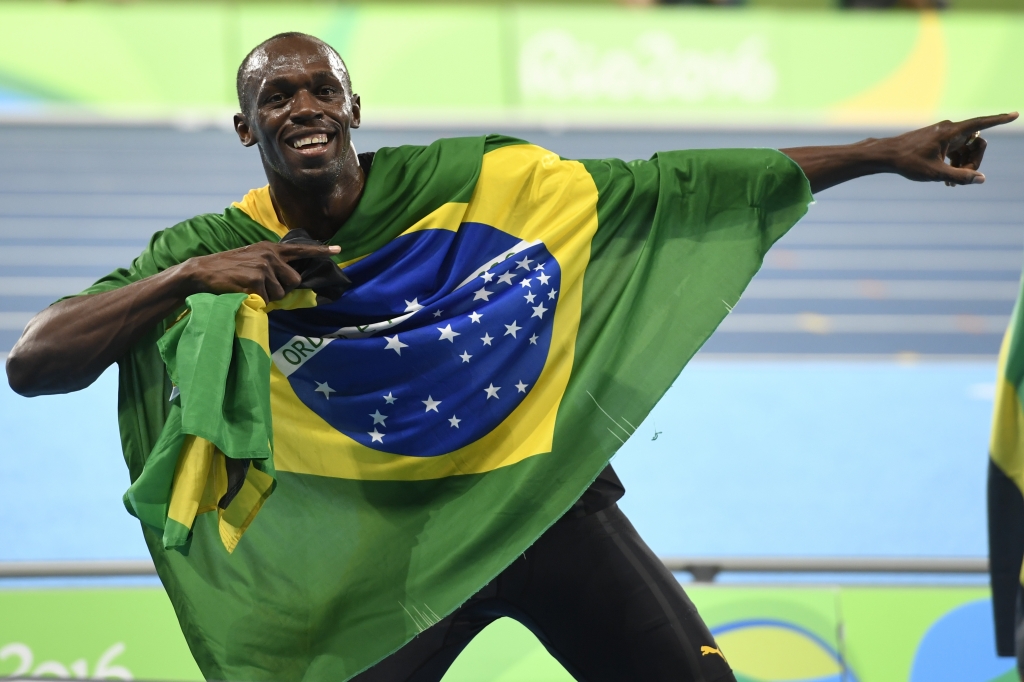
[[298, 107]]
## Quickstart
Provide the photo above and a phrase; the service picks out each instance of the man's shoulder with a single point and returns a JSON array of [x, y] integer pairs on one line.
[[244, 222], [453, 149], [200, 235], [252, 219], [498, 141], [203, 233]]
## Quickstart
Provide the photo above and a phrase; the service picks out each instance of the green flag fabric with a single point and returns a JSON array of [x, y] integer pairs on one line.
[[215, 452], [513, 315]]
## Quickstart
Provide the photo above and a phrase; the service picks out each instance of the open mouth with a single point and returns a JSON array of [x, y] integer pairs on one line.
[[311, 144]]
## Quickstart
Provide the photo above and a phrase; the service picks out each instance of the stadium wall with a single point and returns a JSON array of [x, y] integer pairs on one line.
[[602, 66]]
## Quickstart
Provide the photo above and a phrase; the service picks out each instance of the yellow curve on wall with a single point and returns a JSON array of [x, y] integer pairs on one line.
[[768, 652], [912, 93]]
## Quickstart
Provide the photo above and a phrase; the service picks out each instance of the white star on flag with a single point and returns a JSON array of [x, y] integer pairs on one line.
[[506, 278], [488, 276], [412, 306], [552, 294], [512, 329], [376, 436], [482, 293], [475, 317], [533, 339], [486, 338], [437, 313], [525, 283], [394, 344], [543, 279], [447, 333], [529, 297], [324, 388], [538, 311], [492, 391], [390, 399], [431, 404], [540, 266], [454, 421], [521, 386], [465, 356], [379, 418], [525, 263]]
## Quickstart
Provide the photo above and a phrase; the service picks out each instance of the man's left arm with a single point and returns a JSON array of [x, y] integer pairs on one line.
[[919, 155]]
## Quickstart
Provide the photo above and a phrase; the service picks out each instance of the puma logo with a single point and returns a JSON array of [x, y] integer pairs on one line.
[[708, 650]]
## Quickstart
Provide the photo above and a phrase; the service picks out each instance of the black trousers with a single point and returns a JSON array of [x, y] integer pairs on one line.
[[597, 598], [1018, 632]]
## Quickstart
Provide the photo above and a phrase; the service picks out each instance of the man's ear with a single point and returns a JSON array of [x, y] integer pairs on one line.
[[357, 113], [244, 131]]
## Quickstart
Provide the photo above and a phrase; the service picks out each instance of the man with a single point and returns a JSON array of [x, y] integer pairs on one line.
[[589, 588]]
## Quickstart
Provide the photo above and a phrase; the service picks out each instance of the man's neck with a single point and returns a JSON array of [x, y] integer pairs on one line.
[[320, 213]]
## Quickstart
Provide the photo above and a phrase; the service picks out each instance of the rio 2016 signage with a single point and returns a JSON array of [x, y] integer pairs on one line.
[[26, 664], [768, 634], [94, 634], [557, 68], [534, 64]]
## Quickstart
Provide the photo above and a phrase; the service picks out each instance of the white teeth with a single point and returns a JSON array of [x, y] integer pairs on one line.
[[306, 141]]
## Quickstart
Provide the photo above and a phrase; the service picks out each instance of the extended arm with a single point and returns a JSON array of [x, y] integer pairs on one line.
[[67, 346], [917, 155]]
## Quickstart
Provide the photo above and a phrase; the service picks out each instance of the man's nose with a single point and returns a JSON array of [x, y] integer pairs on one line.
[[305, 106]]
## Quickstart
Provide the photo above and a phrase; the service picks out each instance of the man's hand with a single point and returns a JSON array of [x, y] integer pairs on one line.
[[921, 154], [918, 155], [260, 269], [67, 346]]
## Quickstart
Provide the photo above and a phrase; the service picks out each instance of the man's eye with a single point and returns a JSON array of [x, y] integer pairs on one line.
[[275, 98], [327, 91]]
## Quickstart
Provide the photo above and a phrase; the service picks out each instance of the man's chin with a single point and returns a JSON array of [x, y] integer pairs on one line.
[[311, 176], [315, 179]]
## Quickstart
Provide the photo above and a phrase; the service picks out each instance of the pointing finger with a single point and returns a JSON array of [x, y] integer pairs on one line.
[[294, 251], [984, 122]]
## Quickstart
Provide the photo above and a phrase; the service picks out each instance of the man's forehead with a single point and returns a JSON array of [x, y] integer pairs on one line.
[[287, 55]]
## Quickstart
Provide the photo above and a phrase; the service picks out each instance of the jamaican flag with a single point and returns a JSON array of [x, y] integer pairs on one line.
[[1005, 483], [512, 316]]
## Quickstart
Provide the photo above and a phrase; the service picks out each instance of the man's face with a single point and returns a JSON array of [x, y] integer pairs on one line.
[[299, 112]]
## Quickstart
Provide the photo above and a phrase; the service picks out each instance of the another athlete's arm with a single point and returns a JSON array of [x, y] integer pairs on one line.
[[918, 155], [67, 346]]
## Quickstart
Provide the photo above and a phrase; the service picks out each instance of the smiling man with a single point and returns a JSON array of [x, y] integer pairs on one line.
[[424, 448]]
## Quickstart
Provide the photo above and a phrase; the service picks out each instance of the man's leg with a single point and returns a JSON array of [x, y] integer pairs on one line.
[[607, 608], [1018, 632], [596, 596]]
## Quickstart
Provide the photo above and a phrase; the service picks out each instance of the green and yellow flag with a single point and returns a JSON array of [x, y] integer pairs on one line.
[[215, 452], [512, 316], [1006, 483]]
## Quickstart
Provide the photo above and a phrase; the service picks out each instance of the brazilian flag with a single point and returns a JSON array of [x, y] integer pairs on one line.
[[1005, 483], [351, 472]]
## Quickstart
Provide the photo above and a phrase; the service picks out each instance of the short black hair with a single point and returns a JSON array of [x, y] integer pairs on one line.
[[244, 67]]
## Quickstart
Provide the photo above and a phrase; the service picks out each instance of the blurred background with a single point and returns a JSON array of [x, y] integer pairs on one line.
[[816, 475]]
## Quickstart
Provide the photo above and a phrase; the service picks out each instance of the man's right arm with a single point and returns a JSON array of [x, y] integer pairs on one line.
[[67, 346]]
